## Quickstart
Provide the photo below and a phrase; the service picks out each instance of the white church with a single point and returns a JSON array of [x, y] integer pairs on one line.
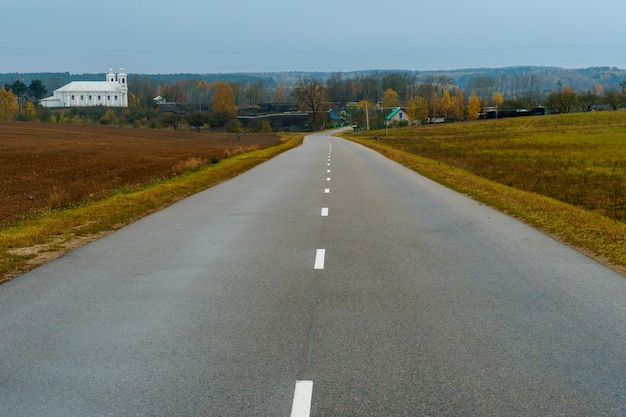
[[111, 93]]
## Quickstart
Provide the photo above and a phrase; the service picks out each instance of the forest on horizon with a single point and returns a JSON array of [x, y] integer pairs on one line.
[[546, 78]]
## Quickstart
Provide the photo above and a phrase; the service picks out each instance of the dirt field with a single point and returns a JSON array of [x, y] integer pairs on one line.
[[45, 166]]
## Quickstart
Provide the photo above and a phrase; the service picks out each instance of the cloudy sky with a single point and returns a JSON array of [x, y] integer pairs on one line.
[[210, 36]]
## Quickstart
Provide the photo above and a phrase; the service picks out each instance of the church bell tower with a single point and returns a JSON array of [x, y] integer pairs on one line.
[[110, 76], [122, 80]]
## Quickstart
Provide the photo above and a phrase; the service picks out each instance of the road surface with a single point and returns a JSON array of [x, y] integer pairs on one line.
[[328, 281]]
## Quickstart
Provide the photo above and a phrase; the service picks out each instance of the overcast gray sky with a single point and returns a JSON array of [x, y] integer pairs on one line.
[[200, 36]]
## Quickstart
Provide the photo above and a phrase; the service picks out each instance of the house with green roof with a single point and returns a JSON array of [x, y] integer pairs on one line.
[[397, 115]]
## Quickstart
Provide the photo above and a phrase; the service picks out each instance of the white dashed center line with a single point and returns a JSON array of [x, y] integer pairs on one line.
[[302, 399], [319, 259], [304, 389]]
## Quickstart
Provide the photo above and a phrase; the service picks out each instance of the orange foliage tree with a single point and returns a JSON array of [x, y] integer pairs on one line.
[[224, 107]]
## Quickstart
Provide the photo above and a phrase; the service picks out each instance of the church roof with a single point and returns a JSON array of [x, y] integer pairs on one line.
[[88, 86]]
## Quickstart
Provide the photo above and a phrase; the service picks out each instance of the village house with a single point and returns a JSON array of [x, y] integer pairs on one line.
[[397, 115], [110, 93]]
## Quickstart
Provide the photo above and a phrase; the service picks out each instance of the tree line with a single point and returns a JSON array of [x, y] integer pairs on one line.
[[20, 99], [368, 99], [364, 98]]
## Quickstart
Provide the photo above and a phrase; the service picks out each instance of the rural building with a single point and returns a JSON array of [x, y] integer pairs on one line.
[[290, 121], [397, 115], [181, 108], [111, 93]]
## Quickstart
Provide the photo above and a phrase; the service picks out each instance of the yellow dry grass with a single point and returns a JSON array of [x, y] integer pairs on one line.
[[33, 242], [589, 231]]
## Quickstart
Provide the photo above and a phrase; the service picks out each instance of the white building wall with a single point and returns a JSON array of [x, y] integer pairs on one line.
[[109, 98], [110, 93]]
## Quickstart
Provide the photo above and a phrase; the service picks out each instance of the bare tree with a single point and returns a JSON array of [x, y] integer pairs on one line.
[[588, 99], [311, 96], [401, 83], [143, 88], [614, 99], [337, 87], [175, 93], [564, 100], [370, 89], [483, 86]]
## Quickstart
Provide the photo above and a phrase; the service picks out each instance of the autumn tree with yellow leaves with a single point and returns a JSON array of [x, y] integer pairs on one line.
[[411, 109], [446, 103], [29, 113], [421, 112], [458, 105], [8, 105], [390, 99], [473, 107], [498, 100]]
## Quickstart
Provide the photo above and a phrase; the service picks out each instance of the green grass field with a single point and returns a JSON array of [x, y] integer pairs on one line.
[[565, 174]]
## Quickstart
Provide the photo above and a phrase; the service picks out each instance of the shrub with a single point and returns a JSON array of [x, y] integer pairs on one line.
[[108, 118], [197, 120], [233, 126], [191, 164], [265, 127]]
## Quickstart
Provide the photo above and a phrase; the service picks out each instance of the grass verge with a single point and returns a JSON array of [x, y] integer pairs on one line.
[[31, 243], [594, 235]]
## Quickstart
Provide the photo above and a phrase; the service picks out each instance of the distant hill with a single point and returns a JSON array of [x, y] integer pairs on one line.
[[549, 77]]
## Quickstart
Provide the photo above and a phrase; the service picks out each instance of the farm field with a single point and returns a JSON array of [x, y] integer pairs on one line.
[[564, 174], [579, 159], [50, 166]]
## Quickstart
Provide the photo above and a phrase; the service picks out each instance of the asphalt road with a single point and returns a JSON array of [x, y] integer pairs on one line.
[[328, 281]]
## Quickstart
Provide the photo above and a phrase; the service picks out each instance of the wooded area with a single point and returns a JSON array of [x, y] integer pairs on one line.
[[363, 98]]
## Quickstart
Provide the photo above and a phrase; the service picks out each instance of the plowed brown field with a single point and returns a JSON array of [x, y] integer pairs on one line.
[[46, 166]]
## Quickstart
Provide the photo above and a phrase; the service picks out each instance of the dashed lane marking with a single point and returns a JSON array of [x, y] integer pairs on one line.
[[319, 259], [302, 399]]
